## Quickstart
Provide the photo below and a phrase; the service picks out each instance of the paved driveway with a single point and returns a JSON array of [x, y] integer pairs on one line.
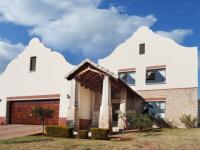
[[12, 131]]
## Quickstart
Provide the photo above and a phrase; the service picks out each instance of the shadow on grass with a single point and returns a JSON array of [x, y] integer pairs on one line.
[[27, 140], [152, 132], [120, 138], [143, 131]]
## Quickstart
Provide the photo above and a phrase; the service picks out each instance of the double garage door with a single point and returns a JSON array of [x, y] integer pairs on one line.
[[20, 111]]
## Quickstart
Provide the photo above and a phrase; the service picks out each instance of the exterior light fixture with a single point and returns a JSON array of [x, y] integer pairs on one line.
[[76, 103], [68, 96]]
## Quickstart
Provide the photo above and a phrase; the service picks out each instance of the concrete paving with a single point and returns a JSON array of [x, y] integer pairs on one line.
[[13, 131]]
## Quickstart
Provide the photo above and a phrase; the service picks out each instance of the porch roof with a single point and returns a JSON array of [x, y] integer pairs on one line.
[[91, 75]]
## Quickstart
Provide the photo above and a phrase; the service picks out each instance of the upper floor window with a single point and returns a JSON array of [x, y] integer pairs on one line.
[[142, 48], [128, 77], [33, 63], [156, 75]]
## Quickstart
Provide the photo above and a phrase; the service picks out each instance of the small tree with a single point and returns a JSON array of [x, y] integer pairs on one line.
[[42, 113], [135, 120], [126, 117], [188, 121]]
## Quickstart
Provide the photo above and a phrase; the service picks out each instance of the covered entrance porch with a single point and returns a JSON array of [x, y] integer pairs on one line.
[[96, 95]]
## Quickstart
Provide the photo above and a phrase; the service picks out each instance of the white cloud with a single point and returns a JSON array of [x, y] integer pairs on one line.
[[92, 32], [35, 12], [78, 26], [178, 34], [75, 25], [8, 51]]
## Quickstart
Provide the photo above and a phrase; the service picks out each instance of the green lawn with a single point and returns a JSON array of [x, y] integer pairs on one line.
[[165, 139]]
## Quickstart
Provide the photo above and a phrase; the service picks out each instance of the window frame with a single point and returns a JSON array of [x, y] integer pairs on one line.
[[149, 69], [32, 68], [126, 72], [162, 111], [142, 48]]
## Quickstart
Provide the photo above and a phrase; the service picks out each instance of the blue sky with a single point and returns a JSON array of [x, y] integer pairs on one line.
[[92, 28]]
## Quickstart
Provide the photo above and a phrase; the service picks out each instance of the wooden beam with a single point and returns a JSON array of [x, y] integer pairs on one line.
[[83, 71], [90, 75], [95, 76]]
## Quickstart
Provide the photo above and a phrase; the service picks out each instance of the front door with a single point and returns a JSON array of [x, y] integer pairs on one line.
[[115, 107]]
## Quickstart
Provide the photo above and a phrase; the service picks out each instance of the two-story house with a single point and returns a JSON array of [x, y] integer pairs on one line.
[[163, 72], [146, 71]]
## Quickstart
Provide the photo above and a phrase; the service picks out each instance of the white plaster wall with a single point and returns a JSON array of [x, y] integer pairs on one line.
[[51, 67], [181, 62], [85, 108]]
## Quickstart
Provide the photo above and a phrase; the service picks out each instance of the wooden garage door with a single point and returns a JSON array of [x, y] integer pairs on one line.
[[20, 111]]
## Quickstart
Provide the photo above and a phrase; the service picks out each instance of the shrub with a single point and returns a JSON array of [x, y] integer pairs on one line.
[[70, 123], [99, 134], [58, 131], [126, 117], [188, 121], [141, 121], [135, 120], [82, 134]]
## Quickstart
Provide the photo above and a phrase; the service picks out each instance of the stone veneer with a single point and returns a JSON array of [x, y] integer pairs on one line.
[[2, 120], [178, 102]]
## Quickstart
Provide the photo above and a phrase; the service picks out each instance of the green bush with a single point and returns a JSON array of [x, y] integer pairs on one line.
[[140, 121], [58, 131], [99, 134], [82, 134], [188, 121], [135, 120]]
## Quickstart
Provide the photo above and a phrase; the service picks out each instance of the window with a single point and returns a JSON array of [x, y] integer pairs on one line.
[[156, 75], [142, 48], [128, 77], [156, 109], [33, 63]]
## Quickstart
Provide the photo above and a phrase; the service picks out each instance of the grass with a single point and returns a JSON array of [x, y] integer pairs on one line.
[[165, 139]]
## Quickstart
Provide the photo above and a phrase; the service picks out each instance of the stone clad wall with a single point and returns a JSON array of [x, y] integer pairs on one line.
[[138, 104], [178, 102]]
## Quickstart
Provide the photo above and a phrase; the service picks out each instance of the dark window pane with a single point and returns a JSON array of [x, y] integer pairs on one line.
[[131, 78], [33, 63], [123, 76], [157, 109], [156, 76], [150, 75], [127, 77], [142, 48], [160, 75]]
